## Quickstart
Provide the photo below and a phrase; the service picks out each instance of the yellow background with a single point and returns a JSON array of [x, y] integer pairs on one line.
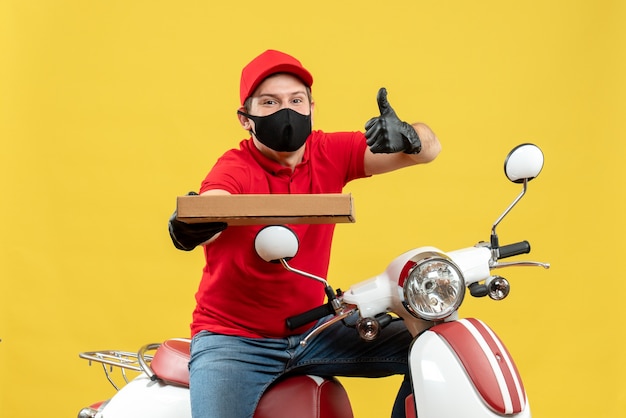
[[110, 109]]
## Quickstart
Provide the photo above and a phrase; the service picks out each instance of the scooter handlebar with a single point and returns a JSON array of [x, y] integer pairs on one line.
[[522, 247], [311, 315]]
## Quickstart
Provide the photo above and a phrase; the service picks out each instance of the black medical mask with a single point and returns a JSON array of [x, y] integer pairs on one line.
[[282, 131]]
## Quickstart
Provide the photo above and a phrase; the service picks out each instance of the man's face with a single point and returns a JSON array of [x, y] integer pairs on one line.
[[278, 92]]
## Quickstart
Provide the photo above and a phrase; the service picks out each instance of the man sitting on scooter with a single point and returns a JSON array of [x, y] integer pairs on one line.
[[240, 343]]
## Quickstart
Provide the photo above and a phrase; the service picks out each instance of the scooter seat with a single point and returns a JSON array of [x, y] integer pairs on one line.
[[303, 396], [170, 362]]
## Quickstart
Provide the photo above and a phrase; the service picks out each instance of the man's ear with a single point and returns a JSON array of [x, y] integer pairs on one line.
[[244, 121]]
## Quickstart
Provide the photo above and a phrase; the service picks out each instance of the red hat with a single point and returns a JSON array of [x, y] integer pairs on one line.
[[268, 63]]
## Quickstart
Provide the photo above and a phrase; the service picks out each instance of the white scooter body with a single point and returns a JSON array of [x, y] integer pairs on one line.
[[473, 378], [142, 397]]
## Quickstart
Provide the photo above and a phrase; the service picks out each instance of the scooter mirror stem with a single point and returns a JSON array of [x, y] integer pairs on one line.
[[303, 273], [330, 292], [494, 236], [506, 212]]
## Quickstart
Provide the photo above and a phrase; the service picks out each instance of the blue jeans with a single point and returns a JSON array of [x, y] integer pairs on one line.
[[229, 374]]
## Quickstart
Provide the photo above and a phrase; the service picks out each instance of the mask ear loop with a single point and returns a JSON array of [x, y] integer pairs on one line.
[[239, 112]]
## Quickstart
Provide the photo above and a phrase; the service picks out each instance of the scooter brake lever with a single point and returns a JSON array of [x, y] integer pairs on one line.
[[498, 264], [346, 311]]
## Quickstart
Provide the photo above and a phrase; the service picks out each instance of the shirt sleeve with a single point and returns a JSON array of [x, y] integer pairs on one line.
[[346, 152], [227, 174]]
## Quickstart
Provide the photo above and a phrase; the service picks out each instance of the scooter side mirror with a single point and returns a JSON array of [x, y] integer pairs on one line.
[[276, 242], [524, 162]]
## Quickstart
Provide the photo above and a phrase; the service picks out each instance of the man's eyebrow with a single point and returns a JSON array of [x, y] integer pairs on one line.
[[299, 91], [260, 96], [277, 95]]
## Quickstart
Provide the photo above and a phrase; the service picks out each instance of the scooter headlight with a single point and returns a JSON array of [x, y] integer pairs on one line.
[[433, 286]]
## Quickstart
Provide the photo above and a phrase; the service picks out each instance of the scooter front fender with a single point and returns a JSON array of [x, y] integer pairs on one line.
[[142, 397], [462, 369]]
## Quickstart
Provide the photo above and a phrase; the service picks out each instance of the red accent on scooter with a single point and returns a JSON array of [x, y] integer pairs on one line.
[[409, 406], [487, 362], [96, 406], [300, 395], [305, 397], [404, 274]]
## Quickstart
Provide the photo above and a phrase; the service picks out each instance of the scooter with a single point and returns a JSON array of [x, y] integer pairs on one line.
[[458, 366]]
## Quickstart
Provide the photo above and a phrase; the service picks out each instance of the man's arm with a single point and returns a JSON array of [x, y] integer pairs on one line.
[[378, 163]]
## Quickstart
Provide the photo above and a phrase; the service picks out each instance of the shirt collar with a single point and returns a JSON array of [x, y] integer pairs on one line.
[[272, 166]]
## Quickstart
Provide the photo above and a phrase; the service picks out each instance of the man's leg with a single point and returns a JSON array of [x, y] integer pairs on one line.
[[338, 351], [229, 374]]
